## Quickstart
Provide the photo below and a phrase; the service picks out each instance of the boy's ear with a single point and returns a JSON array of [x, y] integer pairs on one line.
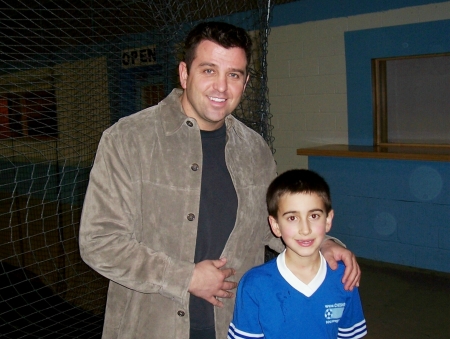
[[329, 220], [274, 226]]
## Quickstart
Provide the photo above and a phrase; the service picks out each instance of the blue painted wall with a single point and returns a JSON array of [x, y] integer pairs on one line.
[[362, 46], [392, 211], [387, 210], [406, 204]]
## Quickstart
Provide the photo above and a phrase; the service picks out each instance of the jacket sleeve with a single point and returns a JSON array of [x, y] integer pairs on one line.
[[108, 241], [269, 239]]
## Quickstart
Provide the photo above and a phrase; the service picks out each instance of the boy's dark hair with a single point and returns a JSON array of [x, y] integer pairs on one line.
[[221, 33], [297, 181]]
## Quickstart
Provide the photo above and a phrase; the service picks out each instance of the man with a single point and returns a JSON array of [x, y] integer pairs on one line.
[[175, 213]]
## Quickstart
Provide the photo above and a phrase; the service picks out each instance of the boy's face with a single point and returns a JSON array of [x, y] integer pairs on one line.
[[302, 223]]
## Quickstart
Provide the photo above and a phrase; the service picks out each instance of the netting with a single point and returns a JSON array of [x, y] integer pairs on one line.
[[68, 70]]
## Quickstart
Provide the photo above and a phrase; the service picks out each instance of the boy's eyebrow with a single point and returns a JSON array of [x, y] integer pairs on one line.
[[313, 210], [288, 212]]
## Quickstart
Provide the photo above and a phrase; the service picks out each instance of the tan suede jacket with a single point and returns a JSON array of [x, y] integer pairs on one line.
[[139, 220]]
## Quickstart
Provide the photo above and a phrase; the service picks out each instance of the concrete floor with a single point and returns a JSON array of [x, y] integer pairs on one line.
[[399, 303], [404, 303]]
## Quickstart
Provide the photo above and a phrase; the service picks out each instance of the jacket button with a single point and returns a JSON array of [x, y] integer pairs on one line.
[[194, 167], [189, 123], [181, 313], [190, 216]]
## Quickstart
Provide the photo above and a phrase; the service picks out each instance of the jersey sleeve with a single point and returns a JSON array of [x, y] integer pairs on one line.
[[245, 323], [352, 324]]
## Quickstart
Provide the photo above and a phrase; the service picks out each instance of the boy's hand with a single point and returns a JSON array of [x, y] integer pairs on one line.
[[333, 252], [209, 281]]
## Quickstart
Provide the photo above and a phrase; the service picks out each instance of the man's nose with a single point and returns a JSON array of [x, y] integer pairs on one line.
[[221, 83]]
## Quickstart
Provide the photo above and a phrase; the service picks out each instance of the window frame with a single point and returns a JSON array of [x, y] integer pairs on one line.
[[379, 95]]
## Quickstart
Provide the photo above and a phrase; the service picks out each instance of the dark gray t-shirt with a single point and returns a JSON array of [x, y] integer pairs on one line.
[[217, 216]]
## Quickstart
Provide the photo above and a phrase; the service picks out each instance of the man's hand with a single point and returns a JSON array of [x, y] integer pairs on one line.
[[333, 252], [209, 281]]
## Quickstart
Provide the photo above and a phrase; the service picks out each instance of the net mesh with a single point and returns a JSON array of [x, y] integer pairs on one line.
[[68, 70]]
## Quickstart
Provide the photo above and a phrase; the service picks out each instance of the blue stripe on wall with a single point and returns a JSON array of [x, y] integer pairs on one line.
[[391, 211], [364, 45], [312, 10]]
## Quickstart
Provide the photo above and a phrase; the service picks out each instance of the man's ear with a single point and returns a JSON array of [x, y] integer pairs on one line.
[[183, 73], [330, 217], [274, 226]]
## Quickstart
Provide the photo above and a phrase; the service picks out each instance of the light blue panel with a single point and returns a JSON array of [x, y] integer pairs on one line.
[[363, 46], [400, 208], [433, 259], [360, 216], [398, 221], [362, 247], [420, 181], [419, 224], [444, 236], [351, 216], [397, 253]]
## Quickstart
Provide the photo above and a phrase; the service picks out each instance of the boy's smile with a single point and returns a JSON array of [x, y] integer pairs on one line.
[[302, 223]]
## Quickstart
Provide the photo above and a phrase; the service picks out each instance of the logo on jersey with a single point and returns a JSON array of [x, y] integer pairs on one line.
[[334, 312]]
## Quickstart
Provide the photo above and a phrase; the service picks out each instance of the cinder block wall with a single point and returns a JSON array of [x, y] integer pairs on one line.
[[307, 73], [392, 211]]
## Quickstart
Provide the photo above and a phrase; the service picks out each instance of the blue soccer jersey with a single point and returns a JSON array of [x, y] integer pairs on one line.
[[272, 303]]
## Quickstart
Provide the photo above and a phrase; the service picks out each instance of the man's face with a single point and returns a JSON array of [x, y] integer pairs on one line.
[[215, 84]]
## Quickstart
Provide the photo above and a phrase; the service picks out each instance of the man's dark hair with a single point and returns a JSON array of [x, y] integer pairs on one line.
[[297, 181], [221, 33]]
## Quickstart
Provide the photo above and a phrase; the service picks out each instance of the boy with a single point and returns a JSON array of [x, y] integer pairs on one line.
[[296, 295]]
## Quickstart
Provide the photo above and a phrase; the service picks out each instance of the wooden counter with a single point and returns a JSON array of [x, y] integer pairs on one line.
[[379, 152]]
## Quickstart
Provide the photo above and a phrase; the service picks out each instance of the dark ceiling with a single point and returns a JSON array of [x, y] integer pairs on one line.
[[38, 27]]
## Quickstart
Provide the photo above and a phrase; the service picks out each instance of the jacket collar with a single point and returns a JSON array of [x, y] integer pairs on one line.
[[174, 117]]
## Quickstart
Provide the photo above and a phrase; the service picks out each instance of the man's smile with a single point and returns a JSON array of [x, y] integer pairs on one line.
[[217, 99]]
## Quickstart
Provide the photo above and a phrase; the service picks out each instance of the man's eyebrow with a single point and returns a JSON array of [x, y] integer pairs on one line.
[[210, 64], [237, 70]]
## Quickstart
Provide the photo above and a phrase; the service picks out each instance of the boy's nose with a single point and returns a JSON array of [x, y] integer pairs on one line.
[[304, 228]]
